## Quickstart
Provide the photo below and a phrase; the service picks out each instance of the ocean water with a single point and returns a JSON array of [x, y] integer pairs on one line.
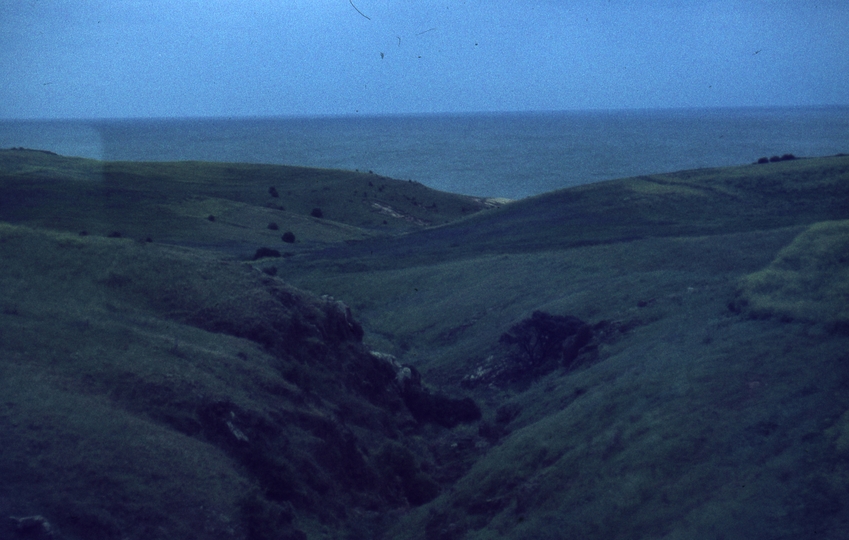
[[510, 155]]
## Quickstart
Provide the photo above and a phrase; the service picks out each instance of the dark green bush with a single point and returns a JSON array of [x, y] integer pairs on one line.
[[540, 338], [263, 252], [397, 465], [440, 409], [288, 237]]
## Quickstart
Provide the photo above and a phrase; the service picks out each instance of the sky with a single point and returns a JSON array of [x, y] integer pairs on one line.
[[237, 58]]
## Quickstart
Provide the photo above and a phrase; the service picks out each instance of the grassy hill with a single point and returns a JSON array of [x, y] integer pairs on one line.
[[216, 205], [175, 388]]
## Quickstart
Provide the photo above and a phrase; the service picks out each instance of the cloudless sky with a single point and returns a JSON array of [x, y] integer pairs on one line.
[[227, 58]]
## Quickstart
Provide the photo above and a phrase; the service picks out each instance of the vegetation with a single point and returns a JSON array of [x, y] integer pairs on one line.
[[808, 280], [168, 389], [541, 337]]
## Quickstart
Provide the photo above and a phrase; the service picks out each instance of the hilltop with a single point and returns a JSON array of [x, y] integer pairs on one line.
[[220, 206], [165, 377]]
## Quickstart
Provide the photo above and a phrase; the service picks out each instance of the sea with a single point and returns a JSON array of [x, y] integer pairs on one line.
[[505, 155]]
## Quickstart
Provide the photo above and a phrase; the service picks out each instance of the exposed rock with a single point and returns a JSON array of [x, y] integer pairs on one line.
[[339, 317]]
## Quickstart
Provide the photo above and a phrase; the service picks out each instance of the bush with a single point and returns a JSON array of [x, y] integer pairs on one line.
[[540, 338], [263, 252], [440, 409], [396, 463], [288, 237], [273, 192], [317, 213], [273, 226], [763, 160], [211, 217]]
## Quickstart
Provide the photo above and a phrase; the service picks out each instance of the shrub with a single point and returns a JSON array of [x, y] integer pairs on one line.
[[317, 213], [541, 337], [787, 157], [397, 464], [440, 409], [420, 489], [273, 226], [211, 217], [263, 252], [114, 234], [273, 192], [288, 237], [763, 160]]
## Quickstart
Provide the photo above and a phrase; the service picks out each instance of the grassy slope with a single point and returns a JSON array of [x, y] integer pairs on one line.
[[809, 279], [697, 421], [171, 203], [131, 373], [595, 250]]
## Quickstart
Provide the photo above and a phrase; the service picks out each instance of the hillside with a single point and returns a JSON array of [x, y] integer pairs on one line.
[[164, 384], [220, 206]]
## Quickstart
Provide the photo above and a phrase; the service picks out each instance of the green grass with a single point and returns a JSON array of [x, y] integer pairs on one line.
[[123, 359], [808, 280], [171, 202], [120, 358]]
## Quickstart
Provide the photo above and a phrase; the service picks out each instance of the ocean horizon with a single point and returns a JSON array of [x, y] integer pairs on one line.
[[511, 155]]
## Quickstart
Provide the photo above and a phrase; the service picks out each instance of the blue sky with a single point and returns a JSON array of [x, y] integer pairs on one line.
[[227, 58]]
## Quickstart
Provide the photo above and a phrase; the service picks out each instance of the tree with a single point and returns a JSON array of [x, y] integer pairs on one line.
[[540, 338]]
